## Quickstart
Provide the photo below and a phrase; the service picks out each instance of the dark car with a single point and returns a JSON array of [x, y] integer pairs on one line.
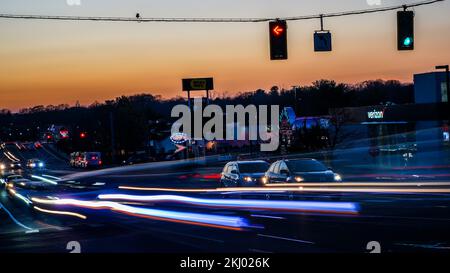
[[243, 173], [35, 164], [8, 177], [15, 165], [299, 171], [5, 177]]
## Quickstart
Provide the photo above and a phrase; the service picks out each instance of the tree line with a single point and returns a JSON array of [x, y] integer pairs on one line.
[[137, 119]]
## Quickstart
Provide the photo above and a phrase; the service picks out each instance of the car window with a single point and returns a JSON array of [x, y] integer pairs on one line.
[[257, 167], [283, 166], [306, 166], [272, 167], [233, 168], [225, 169], [276, 168]]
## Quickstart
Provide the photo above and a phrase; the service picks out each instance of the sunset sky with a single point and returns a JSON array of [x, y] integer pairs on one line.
[[53, 62]]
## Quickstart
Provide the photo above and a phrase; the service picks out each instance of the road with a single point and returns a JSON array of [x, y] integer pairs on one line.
[[177, 207]]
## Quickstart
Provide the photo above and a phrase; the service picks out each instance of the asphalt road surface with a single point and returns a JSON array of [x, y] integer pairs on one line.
[[178, 207]]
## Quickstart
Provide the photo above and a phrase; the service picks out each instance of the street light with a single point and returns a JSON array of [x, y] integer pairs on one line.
[[447, 77], [296, 88]]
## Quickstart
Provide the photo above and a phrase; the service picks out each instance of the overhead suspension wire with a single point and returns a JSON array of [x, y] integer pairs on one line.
[[216, 20]]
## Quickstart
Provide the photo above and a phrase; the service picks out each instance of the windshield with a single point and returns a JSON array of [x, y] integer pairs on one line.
[[253, 167], [306, 166]]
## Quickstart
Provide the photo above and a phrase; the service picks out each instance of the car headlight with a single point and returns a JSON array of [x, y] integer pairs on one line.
[[41, 164], [12, 165], [248, 179], [32, 165], [299, 179], [2, 166], [264, 180], [337, 177]]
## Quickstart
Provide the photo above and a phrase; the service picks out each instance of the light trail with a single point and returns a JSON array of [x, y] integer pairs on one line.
[[68, 213], [13, 156], [360, 184], [286, 239], [21, 197], [207, 220], [377, 190], [9, 157], [297, 206], [297, 189], [203, 190], [51, 177], [14, 219], [43, 179]]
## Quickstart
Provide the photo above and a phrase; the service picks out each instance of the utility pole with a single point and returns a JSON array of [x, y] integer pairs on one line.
[[295, 87], [113, 137]]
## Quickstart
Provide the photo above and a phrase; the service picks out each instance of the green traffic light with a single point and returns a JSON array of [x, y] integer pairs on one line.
[[407, 42]]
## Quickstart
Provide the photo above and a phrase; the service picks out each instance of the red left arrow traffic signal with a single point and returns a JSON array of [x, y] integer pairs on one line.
[[278, 40]]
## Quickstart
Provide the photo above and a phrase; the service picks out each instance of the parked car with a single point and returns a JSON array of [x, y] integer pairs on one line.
[[243, 173], [299, 171]]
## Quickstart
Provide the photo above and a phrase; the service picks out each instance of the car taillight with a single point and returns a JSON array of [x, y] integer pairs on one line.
[[100, 162]]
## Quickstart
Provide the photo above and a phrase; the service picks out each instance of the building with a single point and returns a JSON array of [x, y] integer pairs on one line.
[[430, 88], [391, 134]]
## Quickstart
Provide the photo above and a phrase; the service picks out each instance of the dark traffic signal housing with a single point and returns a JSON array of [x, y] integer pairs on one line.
[[278, 40], [405, 30]]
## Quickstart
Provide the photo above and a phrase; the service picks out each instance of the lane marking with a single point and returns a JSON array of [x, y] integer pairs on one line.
[[286, 239]]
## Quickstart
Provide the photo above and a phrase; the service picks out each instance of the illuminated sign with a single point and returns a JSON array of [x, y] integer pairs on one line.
[[375, 114], [446, 136], [64, 133], [198, 84], [179, 138]]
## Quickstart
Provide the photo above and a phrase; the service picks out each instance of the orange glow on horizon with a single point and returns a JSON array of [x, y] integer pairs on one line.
[[51, 63]]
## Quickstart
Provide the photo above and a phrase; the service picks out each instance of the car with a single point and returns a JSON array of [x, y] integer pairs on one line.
[[8, 177], [4, 177], [91, 160], [20, 187], [35, 164], [15, 165], [300, 171], [243, 173]]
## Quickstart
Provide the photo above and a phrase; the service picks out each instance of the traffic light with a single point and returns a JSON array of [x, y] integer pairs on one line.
[[405, 30], [278, 40]]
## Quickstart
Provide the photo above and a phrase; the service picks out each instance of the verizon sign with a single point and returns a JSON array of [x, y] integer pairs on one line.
[[375, 114]]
